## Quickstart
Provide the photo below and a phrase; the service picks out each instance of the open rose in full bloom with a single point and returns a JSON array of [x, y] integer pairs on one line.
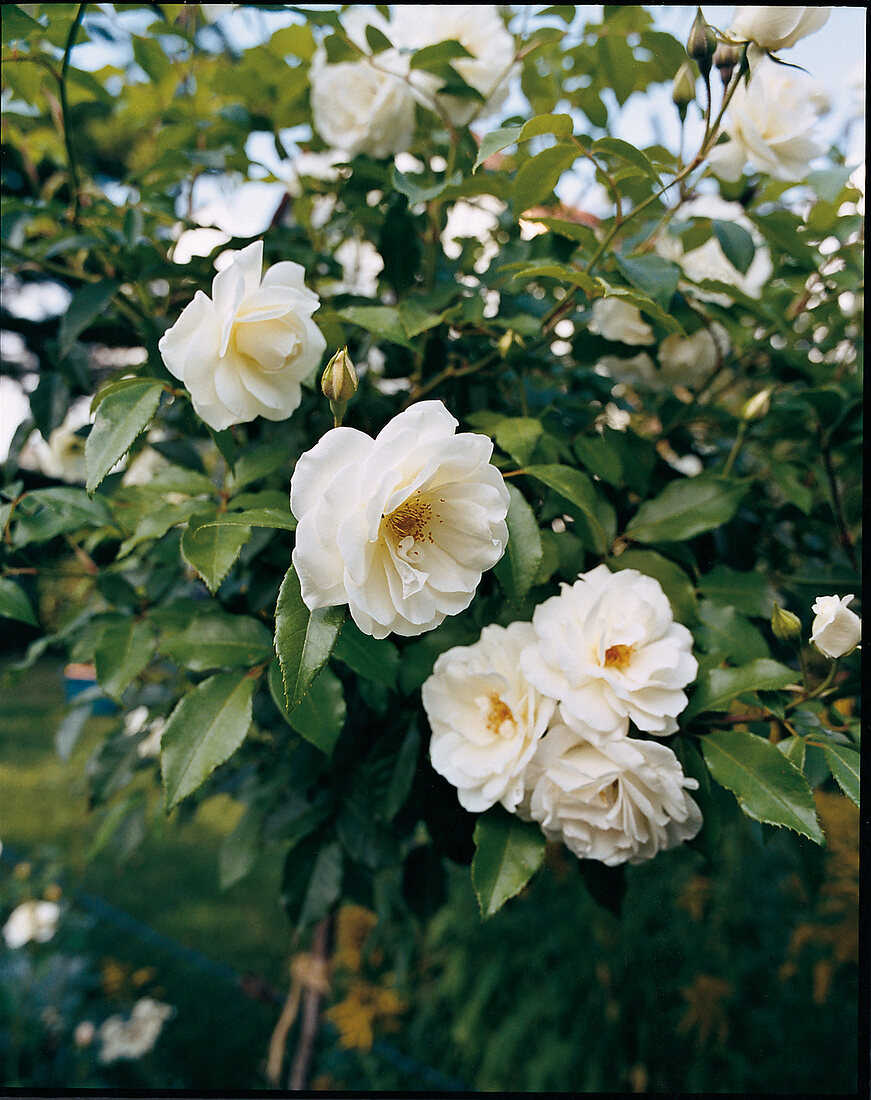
[[244, 352], [621, 321], [621, 801], [770, 121], [399, 527], [608, 649], [486, 719]]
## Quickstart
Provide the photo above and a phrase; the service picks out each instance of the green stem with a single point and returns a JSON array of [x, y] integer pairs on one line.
[[65, 111], [736, 447]]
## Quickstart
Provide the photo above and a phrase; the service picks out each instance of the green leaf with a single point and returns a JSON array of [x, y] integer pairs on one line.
[[537, 178], [578, 489], [793, 748], [768, 787], [87, 304], [319, 874], [216, 639], [320, 714], [749, 592], [643, 302], [600, 457], [736, 243], [372, 658], [785, 230], [384, 322], [407, 186], [561, 125], [651, 275], [254, 517], [303, 639], [614, 147], [508, 852], [844, 764], [154, 525], [239, 849], [124, 650], [44, 513], [211, 551], [517, 569], [377, 39], [495, 142], [566, 274], [120, 417], [687, 508], [677, 586], [724, 632], [14, 604], [18, 25], [403, 775], [256, 462], [720, 686], [204, 730], [416, 318], [518, 436], [437, 54]]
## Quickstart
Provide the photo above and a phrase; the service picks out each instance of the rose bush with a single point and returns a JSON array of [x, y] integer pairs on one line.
[[383, 536]]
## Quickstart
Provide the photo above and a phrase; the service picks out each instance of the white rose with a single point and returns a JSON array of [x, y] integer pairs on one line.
[[608, 649], [400, 527], [362, 106], [243, 352], [31, 920], [617, 802], [477, 27], [120, 1038], [836, 630], [614, 319], [776, 28], [769, 123], [686, 360], [485, 718]]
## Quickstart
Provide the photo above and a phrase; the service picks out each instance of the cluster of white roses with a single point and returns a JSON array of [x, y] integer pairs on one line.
[[368, 105], [536, 716]]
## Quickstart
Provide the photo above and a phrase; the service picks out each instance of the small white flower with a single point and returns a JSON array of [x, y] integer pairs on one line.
[[120, 1038], [244, 352], [617, 320], [608, 649], [31, 920], [363, 106], [836, 630], [619, 801], [776, 28], [477, 27], [485, 718], [399, 527], [769, 122]]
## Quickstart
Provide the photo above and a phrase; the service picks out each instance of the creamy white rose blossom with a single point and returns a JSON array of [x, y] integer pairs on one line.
[[31, 920], [836, 630], [775, 28], [244, 352], [486, 719], [608, 649], [399, 527], [769, 121], [619, 801], [616, 320], [363, 106], [477, 27], [686, 360]]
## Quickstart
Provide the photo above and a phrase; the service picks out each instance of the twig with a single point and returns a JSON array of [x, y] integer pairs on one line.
[[62, 83], [311, 1014]]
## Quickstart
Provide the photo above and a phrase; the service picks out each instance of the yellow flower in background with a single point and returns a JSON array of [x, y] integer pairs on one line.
[[353, 925], [706, 1013], [366, 1008]]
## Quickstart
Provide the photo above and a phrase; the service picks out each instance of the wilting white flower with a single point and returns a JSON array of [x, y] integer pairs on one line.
[[243, 352], [769, 122], [363, 106], [776, 28], [486, 719], [477, 27], [608, 649], [686, 360], [620, 801], [131, 1038], [399, 527], [617, 320], [836, 630], [31, 920]]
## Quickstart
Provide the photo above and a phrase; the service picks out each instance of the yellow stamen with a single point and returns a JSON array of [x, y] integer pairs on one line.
[[412, 519], [499, 714], [618, 656]]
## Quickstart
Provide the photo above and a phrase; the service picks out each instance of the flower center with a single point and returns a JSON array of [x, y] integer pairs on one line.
[[498, 714], [618, 656], [412, 520]]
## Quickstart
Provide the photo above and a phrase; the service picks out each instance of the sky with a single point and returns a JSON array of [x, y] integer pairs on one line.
[[835, 56]]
